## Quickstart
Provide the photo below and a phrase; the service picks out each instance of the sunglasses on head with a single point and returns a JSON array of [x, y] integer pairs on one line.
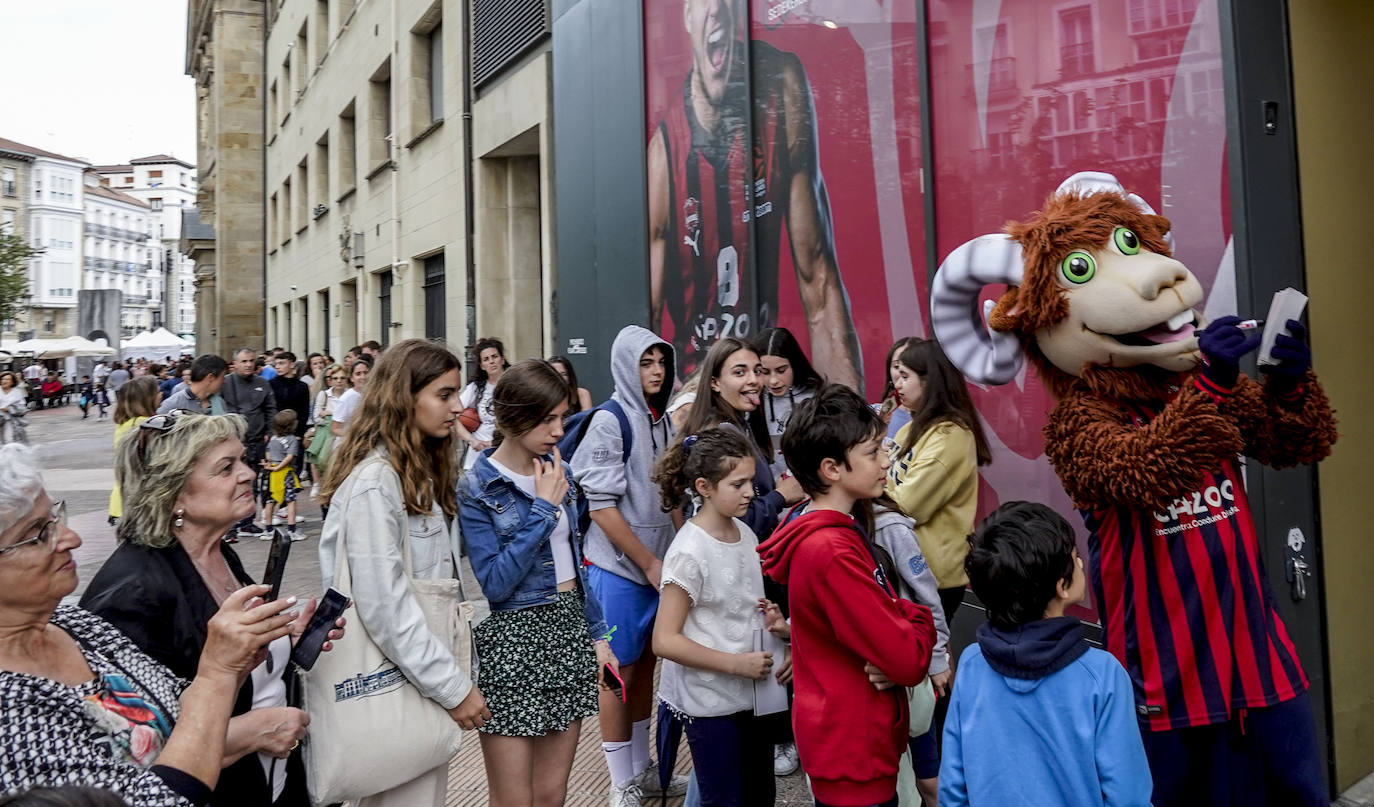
[[156, 424]]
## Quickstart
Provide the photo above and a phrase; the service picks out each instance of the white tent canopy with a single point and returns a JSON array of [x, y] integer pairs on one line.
[[60, 348], [156, 344]]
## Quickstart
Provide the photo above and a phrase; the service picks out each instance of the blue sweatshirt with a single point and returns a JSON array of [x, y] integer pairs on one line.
[[1039, 718]]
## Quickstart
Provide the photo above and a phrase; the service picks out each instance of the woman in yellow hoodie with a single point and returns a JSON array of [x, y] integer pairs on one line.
[[138, 400], [935, 459]]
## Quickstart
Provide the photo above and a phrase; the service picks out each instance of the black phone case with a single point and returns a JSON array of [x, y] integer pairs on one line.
[[276, 562], [312, 640]]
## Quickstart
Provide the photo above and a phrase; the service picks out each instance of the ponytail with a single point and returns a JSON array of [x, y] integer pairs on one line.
[[709, 455]]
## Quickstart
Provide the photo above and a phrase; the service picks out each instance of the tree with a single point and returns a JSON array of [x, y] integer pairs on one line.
[[15, 253]]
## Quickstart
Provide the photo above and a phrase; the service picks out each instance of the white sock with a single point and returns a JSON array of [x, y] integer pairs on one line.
[[639, 744], [620, 762]]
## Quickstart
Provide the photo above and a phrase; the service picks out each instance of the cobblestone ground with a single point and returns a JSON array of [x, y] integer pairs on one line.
[[78, 459]]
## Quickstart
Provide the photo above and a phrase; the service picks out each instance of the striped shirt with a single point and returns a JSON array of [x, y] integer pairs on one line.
[[1186, 606]]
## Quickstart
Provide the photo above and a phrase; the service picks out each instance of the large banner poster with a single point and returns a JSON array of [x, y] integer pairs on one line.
[[784, 177], [785, 174]]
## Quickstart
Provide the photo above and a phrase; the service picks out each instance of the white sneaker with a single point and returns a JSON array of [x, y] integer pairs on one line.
[[629, 796], [785, 760], [314, 491], [647, 780], [297, 535], [278, 520]]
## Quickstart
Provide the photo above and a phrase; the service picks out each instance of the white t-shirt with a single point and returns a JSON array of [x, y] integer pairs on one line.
[[348, 403], [560, 541], [487, 429], [269, 689], [326, 404], [725, 583], [14, 396]]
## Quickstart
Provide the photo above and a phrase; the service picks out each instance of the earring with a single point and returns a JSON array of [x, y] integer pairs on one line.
[[179, 522]]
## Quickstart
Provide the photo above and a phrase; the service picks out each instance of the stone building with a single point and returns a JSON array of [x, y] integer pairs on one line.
[[224, 53], [374, 187]]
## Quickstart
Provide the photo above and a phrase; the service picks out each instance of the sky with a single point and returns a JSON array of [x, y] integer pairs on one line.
[[102, 80]]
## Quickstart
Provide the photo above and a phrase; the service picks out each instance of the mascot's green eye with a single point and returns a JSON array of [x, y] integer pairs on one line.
[[1126, 241], [1079, 267]]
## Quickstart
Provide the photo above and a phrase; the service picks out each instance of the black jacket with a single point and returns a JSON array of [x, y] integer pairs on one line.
[[292, 393], [158, 599], [251, 397]]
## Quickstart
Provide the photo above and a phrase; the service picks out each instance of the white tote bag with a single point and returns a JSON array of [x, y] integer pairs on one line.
[[370, 728]]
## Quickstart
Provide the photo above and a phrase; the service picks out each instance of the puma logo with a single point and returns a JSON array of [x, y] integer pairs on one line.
[[693, 241]]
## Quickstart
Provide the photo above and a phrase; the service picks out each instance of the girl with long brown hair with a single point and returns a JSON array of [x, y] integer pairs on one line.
[[395, 472], [546, 643]]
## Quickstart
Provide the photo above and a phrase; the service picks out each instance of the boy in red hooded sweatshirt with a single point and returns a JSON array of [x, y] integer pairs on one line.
[[855, 644]]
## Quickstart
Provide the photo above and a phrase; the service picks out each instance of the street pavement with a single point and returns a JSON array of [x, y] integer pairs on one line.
[[77, 456]]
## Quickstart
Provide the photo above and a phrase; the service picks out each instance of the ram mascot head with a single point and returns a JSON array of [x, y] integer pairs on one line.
[[1095, 296]]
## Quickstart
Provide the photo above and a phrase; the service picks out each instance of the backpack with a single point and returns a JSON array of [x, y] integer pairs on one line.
[[576, 429]]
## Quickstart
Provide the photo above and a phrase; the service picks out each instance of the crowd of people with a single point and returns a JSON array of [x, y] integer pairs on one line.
[[756, 528]]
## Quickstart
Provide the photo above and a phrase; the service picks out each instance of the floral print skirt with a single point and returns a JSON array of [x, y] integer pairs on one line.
[[537, 668]]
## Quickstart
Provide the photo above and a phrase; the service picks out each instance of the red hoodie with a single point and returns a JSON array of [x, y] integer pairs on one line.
[[844, 613]]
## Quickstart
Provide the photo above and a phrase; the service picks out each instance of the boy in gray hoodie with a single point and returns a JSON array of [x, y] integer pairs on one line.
[[625, 545]]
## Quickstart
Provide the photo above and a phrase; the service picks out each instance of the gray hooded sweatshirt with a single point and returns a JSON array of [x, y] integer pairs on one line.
[[628, 486], [896, 533]]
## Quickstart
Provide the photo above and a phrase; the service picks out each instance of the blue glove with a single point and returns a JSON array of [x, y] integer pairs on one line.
[[1223, 345], [1294, 359]]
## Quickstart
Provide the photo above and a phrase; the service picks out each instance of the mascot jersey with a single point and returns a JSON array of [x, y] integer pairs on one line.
[[1185, 604], [1180, 584]]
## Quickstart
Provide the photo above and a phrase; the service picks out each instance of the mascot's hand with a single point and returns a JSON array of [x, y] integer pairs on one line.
[[1294, 359], [1224, 344]]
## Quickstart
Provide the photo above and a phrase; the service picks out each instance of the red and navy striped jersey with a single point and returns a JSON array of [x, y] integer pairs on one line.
[[1186, 606], [721, 203]]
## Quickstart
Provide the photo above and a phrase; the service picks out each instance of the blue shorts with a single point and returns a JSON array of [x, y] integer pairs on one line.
[[630, 609]]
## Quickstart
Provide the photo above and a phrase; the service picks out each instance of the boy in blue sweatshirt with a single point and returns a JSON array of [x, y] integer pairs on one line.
[[1037, 716]]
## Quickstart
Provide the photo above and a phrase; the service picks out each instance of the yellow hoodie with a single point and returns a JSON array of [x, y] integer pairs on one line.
[[936, 483]]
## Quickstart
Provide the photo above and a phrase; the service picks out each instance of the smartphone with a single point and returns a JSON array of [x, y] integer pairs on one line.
[[276, 562], [312, 640], [612, 680]]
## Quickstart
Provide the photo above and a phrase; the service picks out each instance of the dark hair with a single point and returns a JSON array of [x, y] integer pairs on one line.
[[205, 366], [285, 354], [479, 376], [284, 422], [709, 411], [1016, 559], [356, 350], [372, 344], [574, 400], [65, 796], [781, 343], [826, 427], [711, 455], [525, 395], [897, 347], [944, 396], [137, 398], [364, 358]]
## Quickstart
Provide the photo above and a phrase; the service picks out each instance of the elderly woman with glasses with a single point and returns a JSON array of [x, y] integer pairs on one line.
[[185, 486], [79, 702]]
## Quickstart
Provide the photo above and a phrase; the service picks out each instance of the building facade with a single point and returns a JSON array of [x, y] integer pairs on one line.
[[121, 253], [167, 185], [224, 53], [386, 219]]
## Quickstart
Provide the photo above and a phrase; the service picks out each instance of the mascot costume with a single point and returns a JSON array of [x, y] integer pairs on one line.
[[1152, 412]]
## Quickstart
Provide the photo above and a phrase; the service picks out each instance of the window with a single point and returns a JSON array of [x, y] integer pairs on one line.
[[1075, 42], [302, 58], [436, 73], [384, 305], [7, 181], [426, 84], [321, 175], [273, 113], [1146, 16], [379, 117], [286, 211], [321, 30], [7, 221], [348, 150], [286, 94], [155, 203], [155, 175], [435, 319], [302, 195]]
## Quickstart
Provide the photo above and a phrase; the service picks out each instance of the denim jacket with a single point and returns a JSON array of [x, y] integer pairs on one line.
[[507, 535]]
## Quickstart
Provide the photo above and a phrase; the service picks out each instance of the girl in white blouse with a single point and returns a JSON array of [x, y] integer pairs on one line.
[[712, 596]]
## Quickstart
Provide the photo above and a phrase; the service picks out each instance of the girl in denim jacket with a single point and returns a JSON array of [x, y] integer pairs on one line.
[[395, 470], [544, 645]]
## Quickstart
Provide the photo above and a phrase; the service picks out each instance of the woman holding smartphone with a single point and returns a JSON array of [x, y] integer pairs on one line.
[[396, 472], [546, 642]]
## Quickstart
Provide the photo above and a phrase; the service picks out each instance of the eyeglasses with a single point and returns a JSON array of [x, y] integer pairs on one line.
[[47, 533], [156, 424]]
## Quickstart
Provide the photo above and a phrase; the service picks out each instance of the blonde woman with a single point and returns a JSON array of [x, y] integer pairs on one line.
[[138, 402]]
